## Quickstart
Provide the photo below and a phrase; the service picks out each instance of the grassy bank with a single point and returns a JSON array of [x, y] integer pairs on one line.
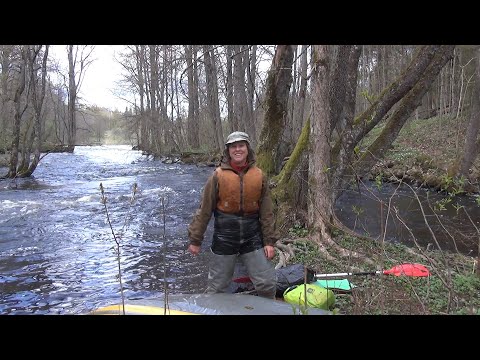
[[452, 288], [422, 155]]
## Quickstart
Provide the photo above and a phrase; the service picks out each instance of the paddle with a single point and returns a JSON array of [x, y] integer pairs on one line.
[[415, 270]]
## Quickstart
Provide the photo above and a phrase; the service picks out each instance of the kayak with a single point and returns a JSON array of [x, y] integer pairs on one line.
[[207, 304], [131, 309]]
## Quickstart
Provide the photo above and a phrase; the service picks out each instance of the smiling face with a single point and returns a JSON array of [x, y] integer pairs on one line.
[[238, 152]]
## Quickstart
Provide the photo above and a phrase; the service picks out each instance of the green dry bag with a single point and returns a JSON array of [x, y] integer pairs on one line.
[[317, 297]]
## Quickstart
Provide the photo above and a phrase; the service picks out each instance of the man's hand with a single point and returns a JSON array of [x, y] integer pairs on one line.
[[269, 251], [194, 249]]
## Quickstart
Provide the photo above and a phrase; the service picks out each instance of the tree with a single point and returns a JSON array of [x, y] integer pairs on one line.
[[472, 143], [212, 96], [193, 105], [38, 96], [331, 141], [78, 56], [278, 85], [18, 112], [334, 163]]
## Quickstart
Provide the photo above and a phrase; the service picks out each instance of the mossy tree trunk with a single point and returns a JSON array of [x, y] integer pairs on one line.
[[278, 85], [289, 192], [408, 89], [403, 111]]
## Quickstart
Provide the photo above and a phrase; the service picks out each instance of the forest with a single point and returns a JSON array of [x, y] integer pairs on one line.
[[320, 117]]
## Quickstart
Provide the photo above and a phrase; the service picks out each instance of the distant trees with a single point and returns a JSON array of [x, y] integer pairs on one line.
[[209, 90], [39, 113], [79, 58], [188, 97]]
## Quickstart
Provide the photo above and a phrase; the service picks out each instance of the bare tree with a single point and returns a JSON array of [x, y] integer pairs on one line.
[[193, 105], [38, 96], [18, 112], [212, 96], [78, 62], [232, 121], [6, 52]]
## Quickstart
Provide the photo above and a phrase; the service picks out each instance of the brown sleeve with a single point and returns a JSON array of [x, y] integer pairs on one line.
[[202, 216], [267, 219]]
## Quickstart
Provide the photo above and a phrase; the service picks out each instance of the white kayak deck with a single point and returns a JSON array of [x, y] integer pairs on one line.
[[208, 304]]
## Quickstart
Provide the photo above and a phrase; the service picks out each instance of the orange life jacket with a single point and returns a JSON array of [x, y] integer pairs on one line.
[[239, 194]]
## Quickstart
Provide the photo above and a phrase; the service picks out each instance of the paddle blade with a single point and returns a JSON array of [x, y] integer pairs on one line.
[[417, 270], [242, 280]]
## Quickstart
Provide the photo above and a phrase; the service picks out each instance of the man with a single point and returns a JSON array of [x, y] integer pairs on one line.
[[238, 195]]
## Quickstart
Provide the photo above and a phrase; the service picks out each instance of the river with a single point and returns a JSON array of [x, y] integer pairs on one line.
[[57, 250]]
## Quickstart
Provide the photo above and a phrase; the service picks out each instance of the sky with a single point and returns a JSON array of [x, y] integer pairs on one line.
[[100, 76]]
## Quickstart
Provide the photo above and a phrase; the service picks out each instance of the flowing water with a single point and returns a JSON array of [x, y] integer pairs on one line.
[[416, 217], [57, 250]]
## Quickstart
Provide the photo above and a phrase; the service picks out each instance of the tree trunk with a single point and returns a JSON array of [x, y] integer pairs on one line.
[[140, 61], [406, 107], [37, 106], [193, 139], [299, 113], [251, 78], [278, 85], [212, 98], [320, 200], [230, 113], [472, 144], [154, 90], [5, 61], [240, 110], [72, 98], [12, 169]]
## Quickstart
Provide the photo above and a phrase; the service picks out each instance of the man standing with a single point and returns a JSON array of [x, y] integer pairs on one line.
[[238, 195]]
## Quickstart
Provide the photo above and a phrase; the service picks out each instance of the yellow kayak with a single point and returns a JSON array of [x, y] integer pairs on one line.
[[138, 310]]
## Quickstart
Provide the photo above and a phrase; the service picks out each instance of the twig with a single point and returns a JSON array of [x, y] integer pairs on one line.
[[104, 202], [117, 241], [166, 305]]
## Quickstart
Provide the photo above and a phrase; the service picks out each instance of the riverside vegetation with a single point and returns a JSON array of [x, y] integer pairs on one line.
[[422, 155]]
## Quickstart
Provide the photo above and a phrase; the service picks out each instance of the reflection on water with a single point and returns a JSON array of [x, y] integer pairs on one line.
[[366, 211]]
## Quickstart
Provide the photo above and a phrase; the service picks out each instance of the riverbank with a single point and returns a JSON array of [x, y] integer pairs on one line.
[[4, 160], [421, 156], [452, 287], [424, 155]]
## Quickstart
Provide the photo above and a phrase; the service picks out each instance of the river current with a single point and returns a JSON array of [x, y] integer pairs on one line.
[[57, 250]]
